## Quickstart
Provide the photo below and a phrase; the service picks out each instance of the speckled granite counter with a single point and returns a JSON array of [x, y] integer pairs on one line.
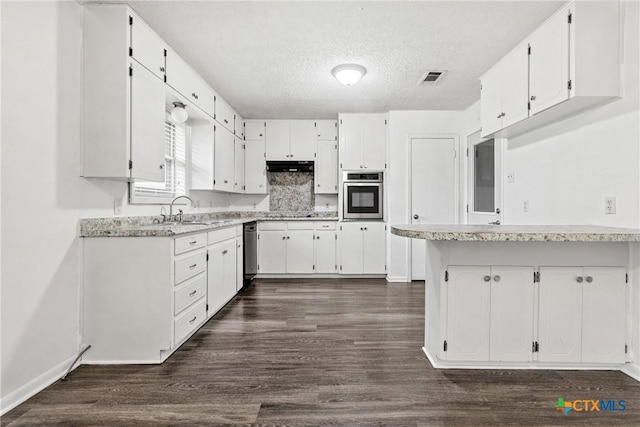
[[517, 233], [150, 226]]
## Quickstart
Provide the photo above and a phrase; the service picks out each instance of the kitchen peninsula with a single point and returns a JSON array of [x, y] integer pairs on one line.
[[531, 297]]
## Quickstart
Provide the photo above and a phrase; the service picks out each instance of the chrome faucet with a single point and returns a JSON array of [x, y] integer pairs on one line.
[[171, 217]]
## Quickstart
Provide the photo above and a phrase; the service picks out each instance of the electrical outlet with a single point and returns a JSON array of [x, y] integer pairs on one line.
[[197, 203], [525, 206], [609, 205], [117, 206], [511, 177]]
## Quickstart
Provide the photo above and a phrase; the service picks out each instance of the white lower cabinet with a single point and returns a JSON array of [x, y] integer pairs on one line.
[[582, 314], [222, 268], [490, 312], [297, 247], [362, 247]]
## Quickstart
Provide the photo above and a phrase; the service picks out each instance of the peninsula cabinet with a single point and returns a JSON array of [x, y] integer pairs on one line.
[[363, 141], [582, 314], [254, 157], [123, 99], [290, 139], [573, 65], [362, 247], [489, 313]]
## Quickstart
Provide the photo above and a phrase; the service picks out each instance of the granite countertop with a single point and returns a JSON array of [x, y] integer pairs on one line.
[[516, 233], [151, 226]]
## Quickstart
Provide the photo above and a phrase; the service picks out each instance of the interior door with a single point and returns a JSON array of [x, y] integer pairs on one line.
[[485, 180], [432, 191]]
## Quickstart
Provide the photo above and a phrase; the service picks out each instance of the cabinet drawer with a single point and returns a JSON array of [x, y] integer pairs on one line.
[[300, 225], [189, 267], [221, 235], [224, 115], [272, 225], [189, 321], [325, 225], [190, 292], [188, 243]]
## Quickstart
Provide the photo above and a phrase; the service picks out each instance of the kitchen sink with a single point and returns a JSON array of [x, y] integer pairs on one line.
[[184, 223]]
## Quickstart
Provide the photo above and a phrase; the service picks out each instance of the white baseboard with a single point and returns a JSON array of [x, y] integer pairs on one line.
[[398, 279], [633, 370], [34, 386], [320, 276]]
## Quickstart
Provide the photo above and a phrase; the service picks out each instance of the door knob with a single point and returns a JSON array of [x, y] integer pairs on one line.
[[416, 216]]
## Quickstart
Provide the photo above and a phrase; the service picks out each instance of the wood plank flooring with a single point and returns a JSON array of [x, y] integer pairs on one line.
[[320, 353]]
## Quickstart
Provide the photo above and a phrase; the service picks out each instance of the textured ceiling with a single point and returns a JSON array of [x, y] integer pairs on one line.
[[274, 59]]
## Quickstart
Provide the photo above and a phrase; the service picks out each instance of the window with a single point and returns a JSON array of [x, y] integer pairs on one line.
[[148, 192], [484, 177]]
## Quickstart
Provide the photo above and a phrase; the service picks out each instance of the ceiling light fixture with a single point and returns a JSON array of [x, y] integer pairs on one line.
[[349, 74], [179, 114]]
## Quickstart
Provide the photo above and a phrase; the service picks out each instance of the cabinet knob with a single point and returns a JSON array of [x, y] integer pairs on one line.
[[498, 116], [284, 237], [318, 185], [260, 135], [486, 278], [366, 228], [226, 182], [533, 97], [416, 216], [361, 228], [318, 237], [162, 166], [589, 279], [225, 252], [496, 278], [579, 279], [162, 69], [288, 237], [226, 121]]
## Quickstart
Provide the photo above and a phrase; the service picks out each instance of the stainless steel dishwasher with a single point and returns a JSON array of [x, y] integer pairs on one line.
[[250, 238]]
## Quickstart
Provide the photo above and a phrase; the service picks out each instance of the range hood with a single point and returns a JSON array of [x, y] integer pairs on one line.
[[290, 166]]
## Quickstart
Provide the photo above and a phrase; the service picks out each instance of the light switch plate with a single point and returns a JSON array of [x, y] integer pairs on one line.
[[117, 206]]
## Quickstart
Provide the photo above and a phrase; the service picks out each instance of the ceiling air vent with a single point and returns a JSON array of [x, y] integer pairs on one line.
[[432, 78]]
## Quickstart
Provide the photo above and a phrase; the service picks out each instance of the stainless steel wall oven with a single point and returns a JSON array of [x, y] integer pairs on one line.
[[362, 195]]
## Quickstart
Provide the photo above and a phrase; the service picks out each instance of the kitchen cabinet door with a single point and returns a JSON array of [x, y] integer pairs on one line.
[[255, 167], [229, 277], [239, 263], [351, 248], [254, 130], [374, 248], [188, 83], [272, 252], [238, 123], [300, 251], [147, 125], [603, 315], [468, 313], [224, 114], [277, 139], [216, 289], [549, 64], [223, 160], [302, 140], [560, 314], [511, 314], [491, 100], [238, 182], [326, 168], [327, 130], [350, 144], [514, 86], [374, 143], [146, 47], [202, 142], [325, 244]]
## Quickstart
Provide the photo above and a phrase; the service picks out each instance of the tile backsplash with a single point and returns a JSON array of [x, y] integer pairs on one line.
[[291, 191]]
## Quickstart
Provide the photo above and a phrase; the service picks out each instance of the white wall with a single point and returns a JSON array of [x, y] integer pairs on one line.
[[566, 170], [402, 125], [43, 196]]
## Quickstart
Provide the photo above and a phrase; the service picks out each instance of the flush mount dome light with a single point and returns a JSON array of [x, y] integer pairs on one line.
[[179, 114], [349, 74]]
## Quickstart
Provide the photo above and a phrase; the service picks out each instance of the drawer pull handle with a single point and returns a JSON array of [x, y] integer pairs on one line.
[[579, 279], [162, 69], [193, 242], [193, 266], [225, 252], [193, 293], [589, 279], [193, 320], [226, 121]]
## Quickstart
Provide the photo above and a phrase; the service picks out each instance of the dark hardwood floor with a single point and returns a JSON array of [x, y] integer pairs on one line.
[[320, 352]]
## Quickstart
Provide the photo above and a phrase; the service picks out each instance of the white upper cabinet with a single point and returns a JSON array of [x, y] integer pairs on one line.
[[188, 83], [238, 126], [224, 160], [238, 182], [363, 141], [123, 102], [573, 64], [326, 130], [224, 114], [254, 158], [290, 139], [254, 130], [146, 47], [202, 142], [326, 168], [549, 63]]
